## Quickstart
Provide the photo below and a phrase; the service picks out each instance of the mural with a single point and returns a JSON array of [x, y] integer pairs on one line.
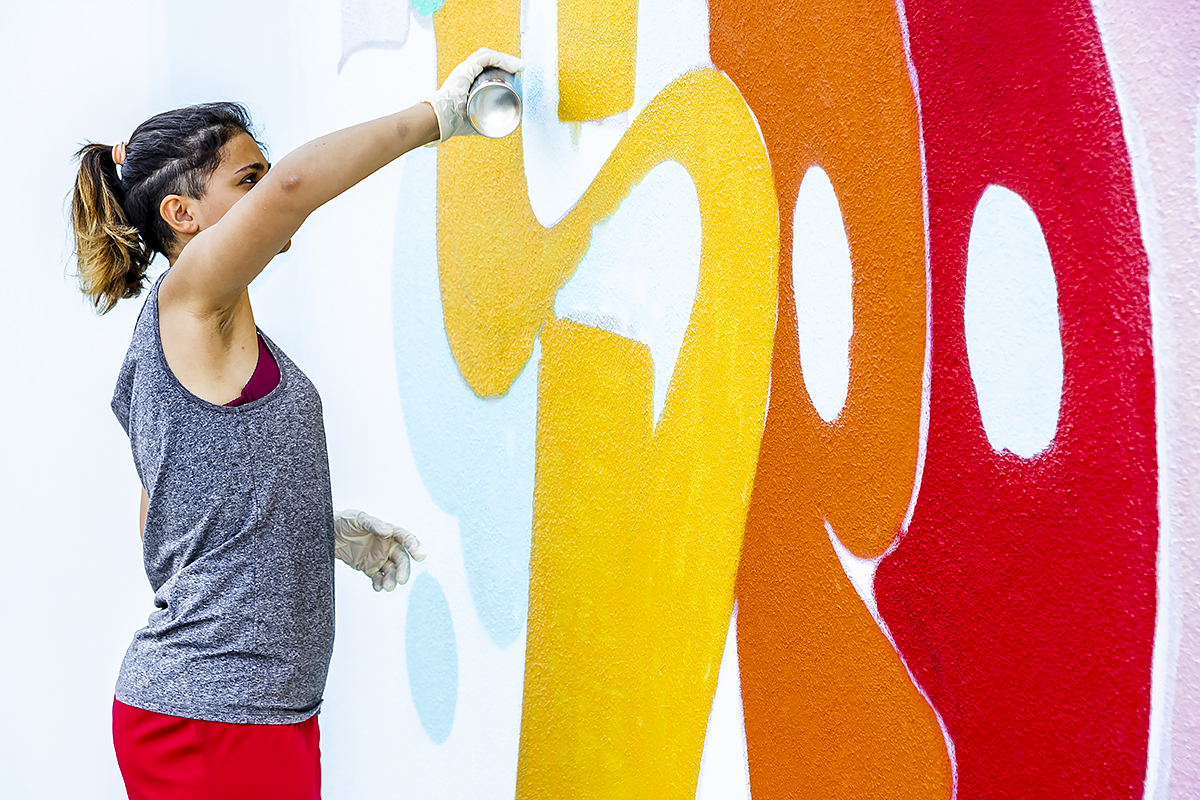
[[1038, 653], [803, 402], [1153, 50], [946, 585]]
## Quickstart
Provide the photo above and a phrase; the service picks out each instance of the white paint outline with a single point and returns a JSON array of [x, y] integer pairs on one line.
[[927, 370], [852, 565], [926, 380], [1168, 622]]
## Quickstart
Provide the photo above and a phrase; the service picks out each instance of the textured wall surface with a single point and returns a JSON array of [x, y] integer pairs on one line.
[[1037, 647], [803, 402]]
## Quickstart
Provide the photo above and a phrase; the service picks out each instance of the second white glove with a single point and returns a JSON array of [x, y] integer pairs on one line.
[[450, 102], [377, 548]]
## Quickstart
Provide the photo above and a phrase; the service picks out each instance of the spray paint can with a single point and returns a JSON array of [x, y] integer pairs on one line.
[[494, 103]]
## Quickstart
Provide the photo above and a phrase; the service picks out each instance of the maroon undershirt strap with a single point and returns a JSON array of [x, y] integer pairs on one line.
[[265, 377]]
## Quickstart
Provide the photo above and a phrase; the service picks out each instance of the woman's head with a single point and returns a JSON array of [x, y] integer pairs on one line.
[[118, 214]]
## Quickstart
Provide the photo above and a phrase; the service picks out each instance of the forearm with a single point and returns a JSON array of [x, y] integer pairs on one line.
[[216, 264], [219, 263], [315, 173]]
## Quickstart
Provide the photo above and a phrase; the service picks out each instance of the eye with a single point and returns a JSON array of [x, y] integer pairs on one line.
[[251, 178]]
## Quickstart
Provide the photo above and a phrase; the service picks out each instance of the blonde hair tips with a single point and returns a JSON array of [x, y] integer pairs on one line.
[[110, 255]]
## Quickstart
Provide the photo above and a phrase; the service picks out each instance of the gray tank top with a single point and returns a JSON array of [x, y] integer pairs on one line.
[[238, 545]]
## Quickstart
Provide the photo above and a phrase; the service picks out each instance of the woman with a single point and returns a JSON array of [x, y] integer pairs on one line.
[[217, 695]]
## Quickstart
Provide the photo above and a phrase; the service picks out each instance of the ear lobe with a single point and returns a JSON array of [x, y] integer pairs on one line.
[[175, 211]]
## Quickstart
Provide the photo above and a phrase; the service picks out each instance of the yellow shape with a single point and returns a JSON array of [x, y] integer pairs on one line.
[[584, 721], [636, 539], [597, 58], [500, 269], [637, 530]]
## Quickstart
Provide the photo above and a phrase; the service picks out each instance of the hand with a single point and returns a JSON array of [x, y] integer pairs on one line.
[[450, 102], [377, 548]]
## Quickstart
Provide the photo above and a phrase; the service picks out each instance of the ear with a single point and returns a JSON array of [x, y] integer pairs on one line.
[[175, 209]]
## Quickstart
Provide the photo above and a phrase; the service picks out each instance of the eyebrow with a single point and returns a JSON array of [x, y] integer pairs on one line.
[[258, 165]]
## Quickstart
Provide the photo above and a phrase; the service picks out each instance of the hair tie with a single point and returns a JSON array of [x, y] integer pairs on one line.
[[118, 154]]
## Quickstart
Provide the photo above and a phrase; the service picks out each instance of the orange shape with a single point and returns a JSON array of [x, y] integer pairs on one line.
[[830, 709]]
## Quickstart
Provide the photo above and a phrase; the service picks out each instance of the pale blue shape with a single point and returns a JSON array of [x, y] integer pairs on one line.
[[426, 7], [475, 456], [639, 276], [822, 279], [432, 655], [372, 24], [1011, 319]]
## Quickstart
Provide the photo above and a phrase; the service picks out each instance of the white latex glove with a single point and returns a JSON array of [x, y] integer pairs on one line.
[[450, 102], [375, 547]]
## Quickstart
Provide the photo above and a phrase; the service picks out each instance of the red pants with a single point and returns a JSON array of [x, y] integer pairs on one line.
[[172, 758]]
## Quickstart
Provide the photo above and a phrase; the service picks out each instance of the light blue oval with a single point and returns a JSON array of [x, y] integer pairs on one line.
[[432, 656]]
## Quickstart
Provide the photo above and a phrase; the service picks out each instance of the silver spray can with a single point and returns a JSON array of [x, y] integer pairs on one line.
[[494, 103]]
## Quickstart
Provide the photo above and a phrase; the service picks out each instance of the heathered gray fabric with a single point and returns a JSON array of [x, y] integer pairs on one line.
[[238, 545]]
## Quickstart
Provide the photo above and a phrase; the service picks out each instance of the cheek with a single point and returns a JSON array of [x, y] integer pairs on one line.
[[223, 202]]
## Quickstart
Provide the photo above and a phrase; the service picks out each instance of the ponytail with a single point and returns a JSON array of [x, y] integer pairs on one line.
[[112, 258], [118, 226]]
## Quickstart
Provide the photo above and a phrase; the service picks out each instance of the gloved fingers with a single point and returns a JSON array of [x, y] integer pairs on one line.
[[450, 101], [392, 573], [412, 546], [486, 57], [389, 577], [400, 566], [369, 524], [410, 543], [363, 522]]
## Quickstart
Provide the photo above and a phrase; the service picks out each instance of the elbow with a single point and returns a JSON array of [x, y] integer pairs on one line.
[[290, 183], [289, 193]]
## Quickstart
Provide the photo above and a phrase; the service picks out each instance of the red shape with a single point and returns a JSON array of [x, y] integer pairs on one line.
[[1023, 595]]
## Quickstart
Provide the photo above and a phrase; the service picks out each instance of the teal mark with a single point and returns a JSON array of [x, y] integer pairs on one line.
[[426, 7], [432, 655]]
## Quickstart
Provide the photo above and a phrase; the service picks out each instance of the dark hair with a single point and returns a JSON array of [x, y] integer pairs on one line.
[[118, 227]]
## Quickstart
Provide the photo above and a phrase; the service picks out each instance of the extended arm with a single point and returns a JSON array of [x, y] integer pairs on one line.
[[219, 262]]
